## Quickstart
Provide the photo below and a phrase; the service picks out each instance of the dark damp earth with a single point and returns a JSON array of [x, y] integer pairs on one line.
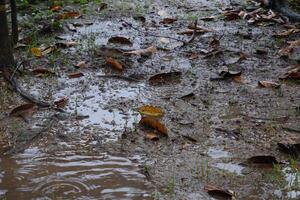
[[96, 148]]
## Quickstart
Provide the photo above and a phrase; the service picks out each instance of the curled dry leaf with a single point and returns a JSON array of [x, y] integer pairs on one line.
[[24, 110], [218, 192], [168, 20], [268, 84], [261, 161], [151, 111], [155, 124], [76, 75], [286, 51], [292, 74], [80, 64], [60, 103], [225, 73], [143, 52], [151, 136], [120, 40], [41, 72], [114, 63], [55, 8], [165, 78], [232, 14], [68, 15], [287, 33]]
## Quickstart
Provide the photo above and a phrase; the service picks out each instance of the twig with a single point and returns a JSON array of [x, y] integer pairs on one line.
[[194, 33], [153, 34]]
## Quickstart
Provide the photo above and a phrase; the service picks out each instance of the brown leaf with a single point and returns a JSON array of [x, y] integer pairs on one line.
[[75, 75], [218, 192], [286, 51], [168, 20], [80, 64], [143, 52], [287, 33], [261, 161], [24, 110], [120, 40], [232, 14], [41, 72], [268, 84], [114, 63], [151, 136], [155, 124], [55, 8], [60, 103], [293, 74], [165, 78], [68, 15], [151, 111]]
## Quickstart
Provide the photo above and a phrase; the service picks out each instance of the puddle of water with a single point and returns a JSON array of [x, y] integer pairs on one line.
[[217, 153], [231, 167], [69, 175]]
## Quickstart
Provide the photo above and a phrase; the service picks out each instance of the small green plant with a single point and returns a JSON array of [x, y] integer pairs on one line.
[[170, 186]]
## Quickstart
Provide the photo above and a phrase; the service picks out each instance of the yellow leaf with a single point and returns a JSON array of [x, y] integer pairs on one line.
[[151, 111], [154, 123], [36, 52]]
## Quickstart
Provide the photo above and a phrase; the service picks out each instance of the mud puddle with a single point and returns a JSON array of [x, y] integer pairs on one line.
[[38, 175]]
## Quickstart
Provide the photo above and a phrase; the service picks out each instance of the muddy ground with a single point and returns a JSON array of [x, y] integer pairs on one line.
[[96, 148]]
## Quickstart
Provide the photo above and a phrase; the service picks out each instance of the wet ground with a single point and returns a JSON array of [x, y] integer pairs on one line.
[[96, 149]]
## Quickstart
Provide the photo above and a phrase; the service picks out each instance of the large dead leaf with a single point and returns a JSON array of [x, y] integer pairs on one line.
[[286, 51], [143, 52], [293, 74], [36, 52], [24, 111], [287, 33], [155, 124], [151, 111], [261, 161], [42, 72], [165, 78], [75, 75], [268, 84], [168, 20], [218, 192], [120, 40], [114, 63]]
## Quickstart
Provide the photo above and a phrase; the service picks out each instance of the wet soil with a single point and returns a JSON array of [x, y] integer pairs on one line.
[[96, 149]]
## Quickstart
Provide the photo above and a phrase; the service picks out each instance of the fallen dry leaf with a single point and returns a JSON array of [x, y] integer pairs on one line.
[[165, 78], [268, 84], [114, 63], [151, 111], [60, 103], [55, 8], [41, 72], [143, 52], [80, 64], [168, 20], [36, 52], [287, 33], [120, 40], [218, 192], [75, 75], [293, 74], [25, 110], [155, 124], [286, 51], [68, 15], [151, 136], [261, 161]]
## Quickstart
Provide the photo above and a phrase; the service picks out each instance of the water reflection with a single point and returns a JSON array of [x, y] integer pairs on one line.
[[69, 175]]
